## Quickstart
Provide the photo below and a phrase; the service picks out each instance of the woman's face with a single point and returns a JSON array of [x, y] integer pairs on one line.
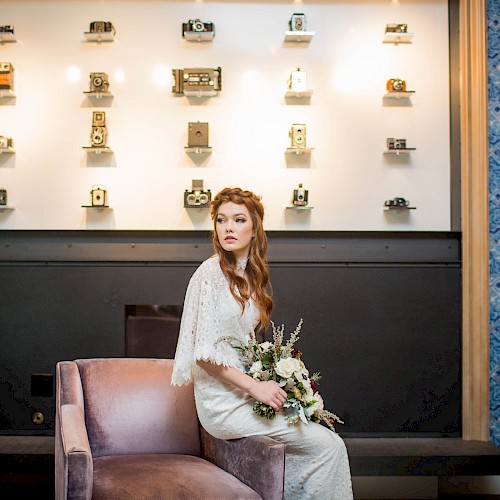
[[234, 229]]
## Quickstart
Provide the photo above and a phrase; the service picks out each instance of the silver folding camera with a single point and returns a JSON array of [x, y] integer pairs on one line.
[[196, 79], [102, 27], [99, 82], [298, 22], [396, 28], [6, 142], [300, 196], [198, 134], [99, 133], [3, 197], [98, 196], [396, 143], [196, 26], [7, 29], [197, 197], [6, 76], [297, 135], [298, 81]]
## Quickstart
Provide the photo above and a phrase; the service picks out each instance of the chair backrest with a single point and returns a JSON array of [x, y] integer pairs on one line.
[[130, 407]]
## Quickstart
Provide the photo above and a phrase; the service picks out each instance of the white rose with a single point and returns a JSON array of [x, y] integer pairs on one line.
[[256, 367], [309, 395], [306, 383], [316, 407], [265, 346], [286, 367]]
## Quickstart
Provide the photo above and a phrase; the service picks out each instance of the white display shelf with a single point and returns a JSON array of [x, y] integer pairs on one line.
[[199, 36], [299, 94], [299, 208], [198, 149], [7, 37], [6, 93], [399, 94], [6, 208], [299, 151], [98, 207], [394, 209], [397, 152], [398, 37], [200, 93], [299, 36], [98, 95], [105, 36], [98, 150], [7, 151]]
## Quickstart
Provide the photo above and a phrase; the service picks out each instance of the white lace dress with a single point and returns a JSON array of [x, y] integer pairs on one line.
[[316, 465]]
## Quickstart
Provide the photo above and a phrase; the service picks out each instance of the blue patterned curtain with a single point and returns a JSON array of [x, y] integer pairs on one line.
[[493, 17]]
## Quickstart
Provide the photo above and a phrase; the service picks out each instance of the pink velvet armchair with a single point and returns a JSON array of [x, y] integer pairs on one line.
[[122, 431]]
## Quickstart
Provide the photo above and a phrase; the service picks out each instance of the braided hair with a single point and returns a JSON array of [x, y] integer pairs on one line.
[[257, 283]]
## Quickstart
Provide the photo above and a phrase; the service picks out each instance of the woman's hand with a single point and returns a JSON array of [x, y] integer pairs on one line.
[[269, 393]]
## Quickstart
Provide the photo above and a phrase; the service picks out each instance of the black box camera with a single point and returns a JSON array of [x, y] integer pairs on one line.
[[300, 196]]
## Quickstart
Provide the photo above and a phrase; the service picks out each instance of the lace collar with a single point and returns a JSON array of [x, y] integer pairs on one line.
[[241, 264]]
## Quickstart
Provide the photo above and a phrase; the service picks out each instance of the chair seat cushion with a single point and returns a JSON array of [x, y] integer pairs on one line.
[[156, 476]]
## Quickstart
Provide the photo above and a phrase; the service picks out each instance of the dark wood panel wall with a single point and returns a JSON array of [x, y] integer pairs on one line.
[[382, 316]]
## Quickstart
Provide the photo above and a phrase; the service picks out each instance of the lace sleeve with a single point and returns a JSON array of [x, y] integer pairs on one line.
[[200, 324]]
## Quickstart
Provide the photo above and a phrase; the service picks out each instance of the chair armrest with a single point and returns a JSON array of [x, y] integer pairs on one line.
[[73, 457], [257, 461]]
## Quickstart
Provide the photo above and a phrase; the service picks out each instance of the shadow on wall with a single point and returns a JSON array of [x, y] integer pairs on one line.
[[151, 331]]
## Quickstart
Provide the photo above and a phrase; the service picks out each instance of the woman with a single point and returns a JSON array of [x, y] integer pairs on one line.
[[227, 297]]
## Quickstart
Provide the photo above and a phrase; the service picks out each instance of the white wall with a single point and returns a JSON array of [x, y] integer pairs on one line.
[[348, 121]]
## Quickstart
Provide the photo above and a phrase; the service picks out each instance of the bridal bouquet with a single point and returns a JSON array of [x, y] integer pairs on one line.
[[281, 363]]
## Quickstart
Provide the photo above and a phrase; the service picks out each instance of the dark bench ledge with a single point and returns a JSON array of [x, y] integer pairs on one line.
[[422, 457], [33, 456]]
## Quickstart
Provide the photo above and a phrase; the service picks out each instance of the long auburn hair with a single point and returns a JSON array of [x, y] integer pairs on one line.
[[257, 269]]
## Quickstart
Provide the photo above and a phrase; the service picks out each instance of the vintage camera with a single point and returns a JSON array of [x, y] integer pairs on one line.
[[3, 197], [7, 29], [297, 135], [196, 79], [102, 27], [397, 203], [99, 82], [396, 28], [396, 143], [196, 26], [98, 196], [300, 196], [198, 134], [396, 85], [298, 81], [298, 22], [6, 142], [197, 197], [99, 133], [6, 76]]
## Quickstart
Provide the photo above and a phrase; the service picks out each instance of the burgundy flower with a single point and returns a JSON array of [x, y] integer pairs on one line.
[[313, 385]]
